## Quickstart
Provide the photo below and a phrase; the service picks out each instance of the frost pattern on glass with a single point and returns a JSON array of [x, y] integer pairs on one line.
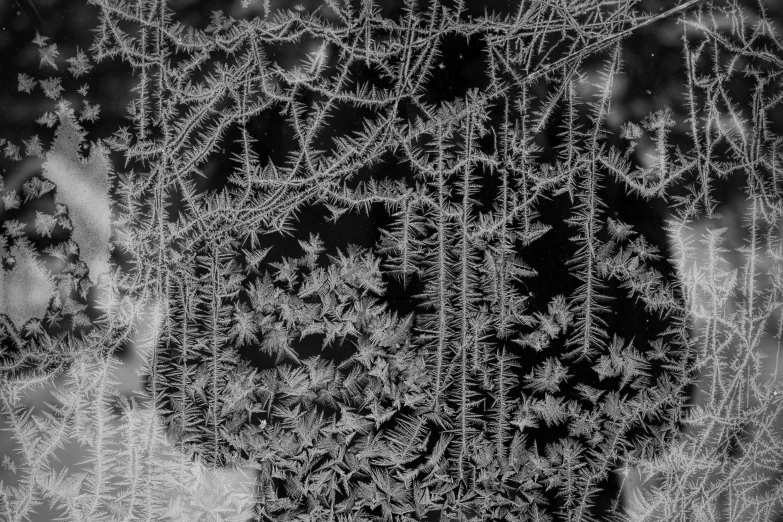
[[343, 262]]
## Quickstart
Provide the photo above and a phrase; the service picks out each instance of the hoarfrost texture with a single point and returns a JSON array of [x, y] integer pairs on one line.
[[351, 261]]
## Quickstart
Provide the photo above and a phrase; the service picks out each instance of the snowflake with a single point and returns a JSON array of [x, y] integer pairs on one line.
[[47, 119], [45, 223], [48, 55], [52, 87], [34, 147], [11, 151], [26, 83], [90, 112], [79, 65], [40, 40]]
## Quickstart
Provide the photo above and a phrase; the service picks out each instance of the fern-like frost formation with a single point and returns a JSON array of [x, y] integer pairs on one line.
[[362, 261]]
